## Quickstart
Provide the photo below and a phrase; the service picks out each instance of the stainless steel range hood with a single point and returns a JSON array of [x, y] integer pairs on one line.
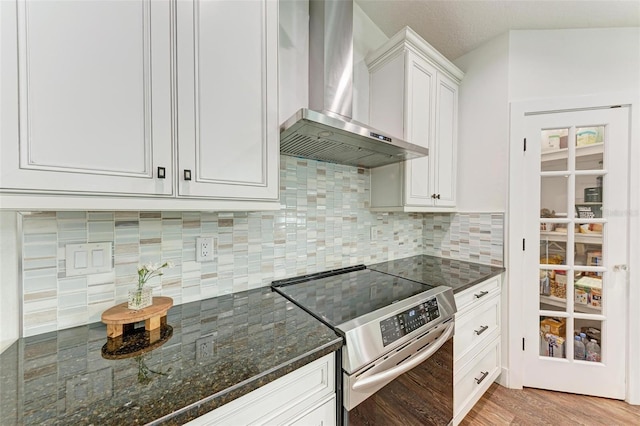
[[326, 131]]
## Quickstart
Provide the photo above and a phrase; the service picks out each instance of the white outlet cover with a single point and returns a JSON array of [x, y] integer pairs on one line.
[[87, 259], [205, 249]]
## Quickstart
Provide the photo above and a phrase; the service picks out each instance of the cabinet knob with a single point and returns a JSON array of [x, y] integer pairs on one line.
[[438, 197], [433, 196], [187, 174], [162, 173]]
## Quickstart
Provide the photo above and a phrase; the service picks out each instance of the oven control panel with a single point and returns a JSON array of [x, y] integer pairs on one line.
[[401, 324]]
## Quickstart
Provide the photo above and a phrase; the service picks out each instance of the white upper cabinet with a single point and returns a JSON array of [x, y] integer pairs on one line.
[[228, 135], [87, 120], [119, 98], [414, 95]]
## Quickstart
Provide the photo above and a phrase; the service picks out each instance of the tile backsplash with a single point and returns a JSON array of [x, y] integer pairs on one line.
[[324, 223]]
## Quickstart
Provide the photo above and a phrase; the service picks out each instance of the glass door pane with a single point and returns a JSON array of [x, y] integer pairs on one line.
[[572, 229], [554, 147], [589, 144]]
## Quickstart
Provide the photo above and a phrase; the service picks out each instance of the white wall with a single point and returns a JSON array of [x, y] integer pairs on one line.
[[366, 38], [10, 300], [560, 63], [483, 160], [526, 65]]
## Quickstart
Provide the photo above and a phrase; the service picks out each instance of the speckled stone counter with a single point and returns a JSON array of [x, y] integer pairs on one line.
[[436, 271], [61, 377]]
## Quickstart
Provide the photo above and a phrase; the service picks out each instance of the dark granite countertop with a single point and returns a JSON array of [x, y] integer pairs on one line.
[[437, 271], [62, 378]]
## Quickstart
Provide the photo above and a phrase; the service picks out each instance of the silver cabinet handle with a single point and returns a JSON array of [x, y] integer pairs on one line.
[[484, 376], [482, 330], [481, 294]]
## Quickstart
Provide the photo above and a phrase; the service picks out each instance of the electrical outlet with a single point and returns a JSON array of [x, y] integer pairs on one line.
[[374, 233], [204, 347], [204, 249]]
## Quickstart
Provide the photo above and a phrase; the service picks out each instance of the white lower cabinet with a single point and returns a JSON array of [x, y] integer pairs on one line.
[[303, 397], [472, 381], [476, 344]]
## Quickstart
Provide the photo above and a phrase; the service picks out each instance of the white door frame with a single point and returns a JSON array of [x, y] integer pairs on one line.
[[515, 231]]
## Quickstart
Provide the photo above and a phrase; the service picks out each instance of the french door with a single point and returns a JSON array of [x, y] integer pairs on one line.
[[575, 197]]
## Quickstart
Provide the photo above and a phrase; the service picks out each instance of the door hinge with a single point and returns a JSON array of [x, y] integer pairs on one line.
[[523, 343], [523, 244], [525, 144]]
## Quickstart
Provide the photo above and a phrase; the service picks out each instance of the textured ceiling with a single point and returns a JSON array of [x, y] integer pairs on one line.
[[455, 27]]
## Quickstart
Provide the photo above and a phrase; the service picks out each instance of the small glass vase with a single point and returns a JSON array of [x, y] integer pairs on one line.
[[139, 299]]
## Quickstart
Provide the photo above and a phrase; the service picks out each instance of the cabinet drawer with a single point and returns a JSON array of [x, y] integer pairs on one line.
[[477, 294], [475, 327], [281, 401], [475, 379], [324, 414]]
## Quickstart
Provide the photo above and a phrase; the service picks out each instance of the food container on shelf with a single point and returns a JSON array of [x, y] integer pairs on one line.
[[581, 295], [559, 285], [553, 143], [555, 326], [564, 141], [593, 195], [592, 287], [584, 211], [551, 345]]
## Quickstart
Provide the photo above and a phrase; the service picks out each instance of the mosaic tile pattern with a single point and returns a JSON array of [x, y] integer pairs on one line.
[[324, 223], [474, 237]]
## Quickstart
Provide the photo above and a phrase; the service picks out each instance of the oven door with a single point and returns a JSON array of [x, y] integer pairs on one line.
[[413, 385]]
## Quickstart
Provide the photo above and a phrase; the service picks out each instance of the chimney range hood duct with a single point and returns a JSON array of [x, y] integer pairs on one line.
[[326, 131]]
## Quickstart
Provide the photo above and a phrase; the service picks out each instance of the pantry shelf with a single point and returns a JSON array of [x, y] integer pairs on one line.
[[595, 238], [562, 303], [581, 151]]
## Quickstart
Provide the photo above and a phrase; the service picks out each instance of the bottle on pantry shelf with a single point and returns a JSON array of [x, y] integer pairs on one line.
[[584, 339], [593, 351], [579, 351]]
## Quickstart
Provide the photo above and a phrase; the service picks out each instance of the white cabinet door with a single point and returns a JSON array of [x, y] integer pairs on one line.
[[82, 75], [305, 396], [412, 96], [444, 149], [420, 116], [228, 140]]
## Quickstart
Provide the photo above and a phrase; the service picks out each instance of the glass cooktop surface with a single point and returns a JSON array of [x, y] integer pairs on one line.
[[339, 298]]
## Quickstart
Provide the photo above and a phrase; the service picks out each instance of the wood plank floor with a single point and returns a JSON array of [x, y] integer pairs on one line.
[[502, 406]]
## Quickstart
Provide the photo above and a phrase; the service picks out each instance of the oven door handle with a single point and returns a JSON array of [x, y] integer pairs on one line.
[[390, 374]]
